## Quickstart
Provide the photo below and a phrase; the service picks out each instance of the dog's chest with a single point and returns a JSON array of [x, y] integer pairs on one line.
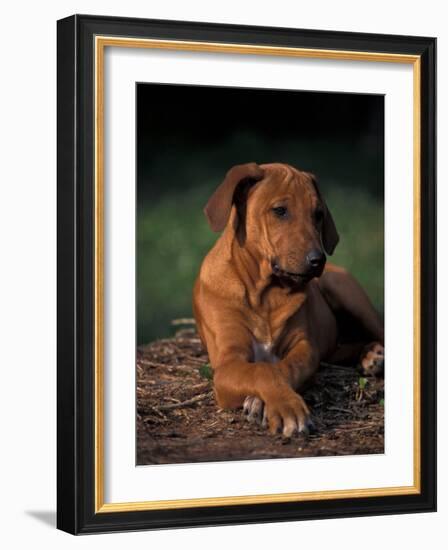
[[263, 352], [268, 325]]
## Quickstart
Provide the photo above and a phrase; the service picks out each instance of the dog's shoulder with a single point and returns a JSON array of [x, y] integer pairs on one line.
[[218, 275]]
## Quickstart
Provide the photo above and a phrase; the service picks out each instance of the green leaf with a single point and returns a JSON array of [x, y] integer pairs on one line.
[[362, 383], [206, 371], [382, 402]]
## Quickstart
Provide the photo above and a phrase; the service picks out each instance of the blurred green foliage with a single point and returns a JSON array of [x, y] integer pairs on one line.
[[173, 236]]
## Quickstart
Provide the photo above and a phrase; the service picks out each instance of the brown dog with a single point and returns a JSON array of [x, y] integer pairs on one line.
[[267, 307]]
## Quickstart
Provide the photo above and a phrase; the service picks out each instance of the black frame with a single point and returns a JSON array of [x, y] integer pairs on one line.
[[75, 173]]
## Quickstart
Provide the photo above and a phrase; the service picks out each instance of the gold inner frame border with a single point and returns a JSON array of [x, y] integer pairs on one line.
[[101, 42]]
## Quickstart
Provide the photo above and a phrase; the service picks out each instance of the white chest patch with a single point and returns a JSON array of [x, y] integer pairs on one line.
[[263, 352]]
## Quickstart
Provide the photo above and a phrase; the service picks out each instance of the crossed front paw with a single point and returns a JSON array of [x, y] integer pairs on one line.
[[287, 414]]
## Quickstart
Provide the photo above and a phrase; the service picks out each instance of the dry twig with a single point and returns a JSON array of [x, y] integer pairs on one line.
[[186, 403]]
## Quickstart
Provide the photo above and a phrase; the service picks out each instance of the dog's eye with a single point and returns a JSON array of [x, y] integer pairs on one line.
[[318, 215], [280, 211]]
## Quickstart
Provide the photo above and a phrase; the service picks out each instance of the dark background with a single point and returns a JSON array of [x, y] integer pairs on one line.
[[187, 139]]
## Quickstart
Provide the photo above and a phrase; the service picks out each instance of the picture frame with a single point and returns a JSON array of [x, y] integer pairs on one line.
[[82, 42]]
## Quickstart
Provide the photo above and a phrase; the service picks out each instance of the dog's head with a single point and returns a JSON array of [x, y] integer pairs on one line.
[[280, 212]]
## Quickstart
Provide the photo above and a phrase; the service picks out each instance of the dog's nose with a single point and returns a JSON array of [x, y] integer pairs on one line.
[[315, 259]]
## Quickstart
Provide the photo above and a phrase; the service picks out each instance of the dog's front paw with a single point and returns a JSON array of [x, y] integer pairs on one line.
[[372, 360], [253, 408], [289, 415]]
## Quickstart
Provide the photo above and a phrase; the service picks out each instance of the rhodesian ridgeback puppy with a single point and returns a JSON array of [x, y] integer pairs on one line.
[[268, 307]]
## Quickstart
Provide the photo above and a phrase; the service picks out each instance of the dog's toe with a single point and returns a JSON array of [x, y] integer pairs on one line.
[[372, 360], [247, 404], [253, 408], [290, 428]]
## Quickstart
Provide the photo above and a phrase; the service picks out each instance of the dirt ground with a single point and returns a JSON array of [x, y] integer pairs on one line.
[[179, 421]]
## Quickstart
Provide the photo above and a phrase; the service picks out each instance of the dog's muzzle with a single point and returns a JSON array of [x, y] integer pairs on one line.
[[314, 265]]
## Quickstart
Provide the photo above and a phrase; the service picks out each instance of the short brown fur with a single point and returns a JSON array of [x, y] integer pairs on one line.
[[267, 320]]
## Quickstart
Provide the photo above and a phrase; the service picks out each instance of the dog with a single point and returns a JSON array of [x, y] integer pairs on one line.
[[268, 307]]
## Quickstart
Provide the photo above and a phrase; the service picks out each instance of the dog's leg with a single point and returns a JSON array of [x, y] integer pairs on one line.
[[272, 385], [344, 293], [370, 357]]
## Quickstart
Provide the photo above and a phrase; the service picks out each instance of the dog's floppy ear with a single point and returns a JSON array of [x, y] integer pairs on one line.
[[217, 210], [330, 236]]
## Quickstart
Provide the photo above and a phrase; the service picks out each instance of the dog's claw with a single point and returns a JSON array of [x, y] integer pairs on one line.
[[291, 429], [264, 422], [311, 426]]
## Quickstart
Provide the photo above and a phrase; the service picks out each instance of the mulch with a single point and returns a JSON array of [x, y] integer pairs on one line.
[[178, 420]]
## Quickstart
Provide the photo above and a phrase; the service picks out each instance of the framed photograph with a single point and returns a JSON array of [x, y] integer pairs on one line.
[[246, 274]]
